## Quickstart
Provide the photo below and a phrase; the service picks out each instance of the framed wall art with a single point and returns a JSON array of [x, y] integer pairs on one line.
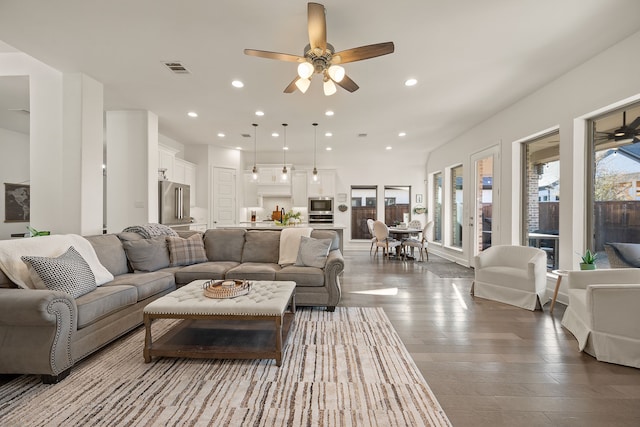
[[17, 202]]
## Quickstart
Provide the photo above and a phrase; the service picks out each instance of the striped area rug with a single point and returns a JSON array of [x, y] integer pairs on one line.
[[347, 368]]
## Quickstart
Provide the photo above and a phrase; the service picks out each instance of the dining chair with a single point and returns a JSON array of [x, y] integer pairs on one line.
[[373, 237], [420, 243], [384, 239]]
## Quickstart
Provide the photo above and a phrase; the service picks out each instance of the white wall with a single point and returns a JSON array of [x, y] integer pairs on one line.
[[607, 80], [14, 169]]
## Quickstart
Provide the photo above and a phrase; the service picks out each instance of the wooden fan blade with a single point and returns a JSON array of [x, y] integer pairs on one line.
[[317, 26], [292, 86], [274, 55], [348, 84], [362, 52], [634, 124]]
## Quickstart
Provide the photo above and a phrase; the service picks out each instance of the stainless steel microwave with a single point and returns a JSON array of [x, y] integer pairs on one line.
[[320, 205]]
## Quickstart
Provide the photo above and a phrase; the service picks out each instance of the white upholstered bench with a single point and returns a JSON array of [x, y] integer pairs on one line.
[[252, 326]]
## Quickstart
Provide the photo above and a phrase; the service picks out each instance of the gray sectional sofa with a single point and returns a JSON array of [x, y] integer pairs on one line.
[[45, 332]]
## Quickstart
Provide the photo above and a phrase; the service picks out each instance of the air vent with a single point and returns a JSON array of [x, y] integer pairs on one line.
[[176, 67], [245, 135], [362, 135]]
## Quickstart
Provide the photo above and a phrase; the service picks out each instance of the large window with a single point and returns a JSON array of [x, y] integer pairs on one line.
[[614, 205], [363, 207], [396, 204], [437, 207], [541, 195], [456, 206]]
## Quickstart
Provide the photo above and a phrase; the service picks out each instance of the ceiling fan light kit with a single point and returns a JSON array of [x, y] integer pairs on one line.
[[321, 58]]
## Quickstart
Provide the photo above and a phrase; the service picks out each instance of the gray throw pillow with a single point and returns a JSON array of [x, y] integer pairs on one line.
[[186, 251], [313, 252], [68, 273], [147, 254]]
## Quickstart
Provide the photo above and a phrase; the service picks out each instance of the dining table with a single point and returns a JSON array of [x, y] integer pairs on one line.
[[403, 233]]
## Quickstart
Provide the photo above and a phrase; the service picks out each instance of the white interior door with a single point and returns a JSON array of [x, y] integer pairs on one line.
[[485, 212], [223, 209]]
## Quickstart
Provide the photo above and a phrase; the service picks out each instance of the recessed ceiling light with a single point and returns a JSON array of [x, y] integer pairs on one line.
[[238, 148], [410, 82], [328, 134], [285, 148], [259, 113], [275, 134], [237, 83], [192, 114], [221, 135], [389, 147], [329, 113], [328, 148], [402, 134]]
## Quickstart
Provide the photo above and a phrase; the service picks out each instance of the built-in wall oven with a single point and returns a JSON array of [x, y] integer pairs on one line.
[[321, 210]]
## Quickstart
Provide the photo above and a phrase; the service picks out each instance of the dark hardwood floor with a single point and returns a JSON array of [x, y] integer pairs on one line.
[[491, 364]]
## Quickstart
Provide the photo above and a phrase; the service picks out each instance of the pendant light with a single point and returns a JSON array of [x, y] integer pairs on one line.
[[255, 145], [315, 137], [284, 154]]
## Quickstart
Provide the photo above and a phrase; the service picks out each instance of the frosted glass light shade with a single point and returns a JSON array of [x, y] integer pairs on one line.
[[336, 72], [303, 84], [329, 87], [305, 70]]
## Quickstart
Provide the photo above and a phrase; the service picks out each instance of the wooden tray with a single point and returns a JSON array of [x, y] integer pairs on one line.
[[221, 289]]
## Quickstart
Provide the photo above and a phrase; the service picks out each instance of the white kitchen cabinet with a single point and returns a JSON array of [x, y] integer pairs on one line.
[[299, 189], [272, 175], [325, 186], [166, 160]]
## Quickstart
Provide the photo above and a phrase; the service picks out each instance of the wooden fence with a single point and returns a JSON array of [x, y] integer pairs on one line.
[[360, 214]]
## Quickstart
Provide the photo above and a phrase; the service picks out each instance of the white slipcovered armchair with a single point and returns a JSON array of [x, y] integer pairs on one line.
[[515, 275], [604, 315]]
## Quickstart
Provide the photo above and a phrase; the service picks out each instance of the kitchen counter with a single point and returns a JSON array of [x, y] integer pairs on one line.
[[269, 225]]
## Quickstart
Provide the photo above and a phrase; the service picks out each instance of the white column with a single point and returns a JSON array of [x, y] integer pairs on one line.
[[83, 152], [132, 169]]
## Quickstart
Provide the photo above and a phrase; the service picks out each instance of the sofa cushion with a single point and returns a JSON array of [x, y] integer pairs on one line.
[[103, 301], [186, 251], [146, 284], [68, 273], [303, 276], [261, 246], [206, 271], [224, 245], [147, 254], [515, 278], [253, 271], [313, 252], [110, 252]]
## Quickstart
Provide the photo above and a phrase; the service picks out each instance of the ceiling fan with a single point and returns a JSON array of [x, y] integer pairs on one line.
[[630, 131], [321, 58]]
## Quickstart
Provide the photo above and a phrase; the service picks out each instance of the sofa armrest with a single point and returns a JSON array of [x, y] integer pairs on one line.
[[36, 329], [332, 269], [614, 308], [581, 279]]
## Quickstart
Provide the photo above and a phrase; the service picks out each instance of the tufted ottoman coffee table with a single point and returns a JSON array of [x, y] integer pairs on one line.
[[252, 326]]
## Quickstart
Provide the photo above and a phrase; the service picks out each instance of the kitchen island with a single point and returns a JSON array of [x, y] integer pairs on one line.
[[270, 225]]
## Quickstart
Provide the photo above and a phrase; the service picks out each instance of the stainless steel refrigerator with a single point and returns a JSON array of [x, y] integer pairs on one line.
[[174, 203]]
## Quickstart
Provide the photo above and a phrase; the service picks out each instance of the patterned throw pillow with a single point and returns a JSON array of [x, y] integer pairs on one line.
[[68, 273], [186, 251], [313, 252]]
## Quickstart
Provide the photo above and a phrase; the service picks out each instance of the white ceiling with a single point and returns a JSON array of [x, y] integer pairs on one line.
[[471, 58]]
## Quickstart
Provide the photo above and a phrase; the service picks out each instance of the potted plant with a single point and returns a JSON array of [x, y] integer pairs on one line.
[[289, 218], [588, 261]]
